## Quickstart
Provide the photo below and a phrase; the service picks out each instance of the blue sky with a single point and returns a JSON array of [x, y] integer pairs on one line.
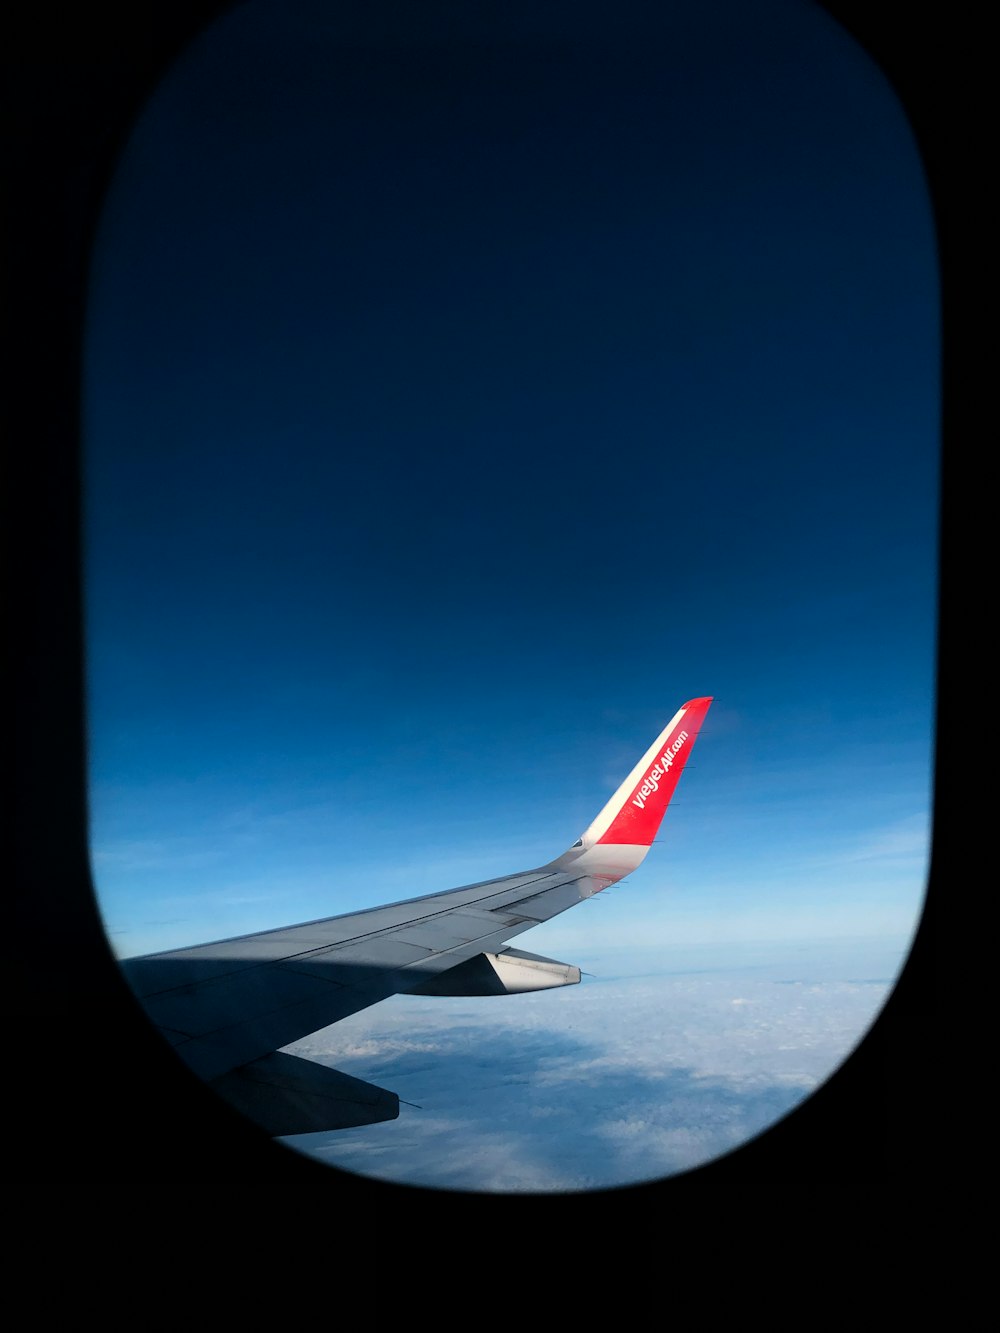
[[461, 396]]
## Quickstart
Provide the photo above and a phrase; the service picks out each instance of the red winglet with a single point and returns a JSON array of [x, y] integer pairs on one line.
[[643, 797]]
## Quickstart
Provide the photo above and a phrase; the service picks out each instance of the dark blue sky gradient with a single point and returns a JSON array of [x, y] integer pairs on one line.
[[465, 393]]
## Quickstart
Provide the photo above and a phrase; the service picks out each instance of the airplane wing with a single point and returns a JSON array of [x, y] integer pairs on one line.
[[228, 1007]]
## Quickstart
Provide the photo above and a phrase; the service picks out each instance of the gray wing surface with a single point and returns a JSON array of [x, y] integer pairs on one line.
[[224, 1004]]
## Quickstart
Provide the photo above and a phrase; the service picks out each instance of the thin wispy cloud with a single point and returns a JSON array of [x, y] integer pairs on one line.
[[175, 854], [906, 840]]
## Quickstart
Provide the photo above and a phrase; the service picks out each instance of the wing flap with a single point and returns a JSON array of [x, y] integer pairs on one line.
[[285, 1094]]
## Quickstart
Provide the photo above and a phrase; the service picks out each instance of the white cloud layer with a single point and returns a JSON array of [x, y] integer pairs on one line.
[[607, 1084]]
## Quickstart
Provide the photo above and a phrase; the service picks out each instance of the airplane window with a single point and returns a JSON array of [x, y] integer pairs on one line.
[[407, 327]]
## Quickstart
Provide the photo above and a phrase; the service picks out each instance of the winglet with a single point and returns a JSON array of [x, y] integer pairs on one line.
[[634, 813], [625, 829]]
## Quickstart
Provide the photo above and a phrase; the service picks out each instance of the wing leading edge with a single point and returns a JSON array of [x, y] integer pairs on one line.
[[228, 1007]]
